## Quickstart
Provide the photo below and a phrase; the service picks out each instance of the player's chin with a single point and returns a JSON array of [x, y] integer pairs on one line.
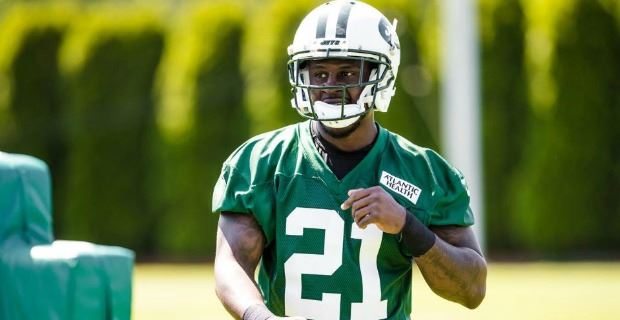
[[340, 133]]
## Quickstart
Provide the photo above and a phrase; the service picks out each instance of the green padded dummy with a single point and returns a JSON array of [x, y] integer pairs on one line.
[[41, 279], [25, 201]]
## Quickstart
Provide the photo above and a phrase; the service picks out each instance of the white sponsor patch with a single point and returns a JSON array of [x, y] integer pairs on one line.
[[401, 187]]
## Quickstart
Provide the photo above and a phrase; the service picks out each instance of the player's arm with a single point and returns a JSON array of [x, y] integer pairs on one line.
[[454, 266], [240, 244], [448, 257]]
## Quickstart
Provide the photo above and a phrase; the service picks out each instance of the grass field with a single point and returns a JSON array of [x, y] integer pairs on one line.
[[514, 291]]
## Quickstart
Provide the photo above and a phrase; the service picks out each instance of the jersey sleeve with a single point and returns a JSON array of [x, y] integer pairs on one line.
[[236, 192], [451, 195], [232, 192]]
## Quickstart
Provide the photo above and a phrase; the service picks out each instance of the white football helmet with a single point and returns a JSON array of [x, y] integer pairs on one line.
[[350, 30]]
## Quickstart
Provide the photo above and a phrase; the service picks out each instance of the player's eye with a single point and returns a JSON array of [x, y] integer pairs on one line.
[[347, 76], [320, 77]]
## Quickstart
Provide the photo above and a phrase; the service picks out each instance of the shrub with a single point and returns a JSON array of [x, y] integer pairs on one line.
[[202, 120], [109, 61]]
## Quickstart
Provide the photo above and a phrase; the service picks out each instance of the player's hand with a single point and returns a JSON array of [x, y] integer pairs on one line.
[[375, 205]]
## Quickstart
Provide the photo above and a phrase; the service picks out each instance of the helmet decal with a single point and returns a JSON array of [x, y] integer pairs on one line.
[[341, 23], [384, 31], [343, 19], [321, 26]]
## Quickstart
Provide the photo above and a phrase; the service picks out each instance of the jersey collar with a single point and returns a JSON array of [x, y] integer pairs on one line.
[[352, 179]]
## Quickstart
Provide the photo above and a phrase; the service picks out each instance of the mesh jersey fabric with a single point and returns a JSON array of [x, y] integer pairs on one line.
[[316, 262]]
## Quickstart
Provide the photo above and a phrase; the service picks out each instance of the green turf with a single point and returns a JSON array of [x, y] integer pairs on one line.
[[514, 291]]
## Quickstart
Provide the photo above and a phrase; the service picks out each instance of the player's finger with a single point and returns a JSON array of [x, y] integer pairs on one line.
[[354, 194], [361, 213], [367, 219], [363, 202]]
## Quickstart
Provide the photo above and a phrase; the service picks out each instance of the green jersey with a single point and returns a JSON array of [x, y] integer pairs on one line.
[[316, 262]]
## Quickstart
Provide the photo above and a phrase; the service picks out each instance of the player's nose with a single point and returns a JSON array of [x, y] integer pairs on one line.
[[332, 79]]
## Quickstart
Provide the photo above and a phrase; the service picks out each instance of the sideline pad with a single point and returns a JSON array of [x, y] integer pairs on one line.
[[41, 279]]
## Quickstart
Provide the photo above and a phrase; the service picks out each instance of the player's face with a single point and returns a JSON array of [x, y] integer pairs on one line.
[[334, 72]]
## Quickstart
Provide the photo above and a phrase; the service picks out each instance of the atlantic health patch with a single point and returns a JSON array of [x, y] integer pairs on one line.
[[400, 186]]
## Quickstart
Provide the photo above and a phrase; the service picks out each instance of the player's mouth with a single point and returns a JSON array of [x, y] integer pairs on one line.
[[334, 100]]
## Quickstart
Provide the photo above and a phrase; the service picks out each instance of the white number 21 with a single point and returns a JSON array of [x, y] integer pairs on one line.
[[371, 307]]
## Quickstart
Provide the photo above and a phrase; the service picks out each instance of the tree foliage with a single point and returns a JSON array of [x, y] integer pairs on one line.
[[136, 106]]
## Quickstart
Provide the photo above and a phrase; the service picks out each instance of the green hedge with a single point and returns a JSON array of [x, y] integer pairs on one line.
[[109, 60], [135, 145], [505, 112], [413, 111], [270, 30], [566, 197], [31, 113], [201, 126]]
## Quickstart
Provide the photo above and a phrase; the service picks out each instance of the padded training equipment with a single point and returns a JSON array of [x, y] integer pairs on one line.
[[45, 279]]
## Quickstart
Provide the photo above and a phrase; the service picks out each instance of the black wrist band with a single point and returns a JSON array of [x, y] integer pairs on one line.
[[257, 312], [415, 238]]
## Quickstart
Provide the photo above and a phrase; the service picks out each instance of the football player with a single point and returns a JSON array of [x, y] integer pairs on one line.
[[336, 209]]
